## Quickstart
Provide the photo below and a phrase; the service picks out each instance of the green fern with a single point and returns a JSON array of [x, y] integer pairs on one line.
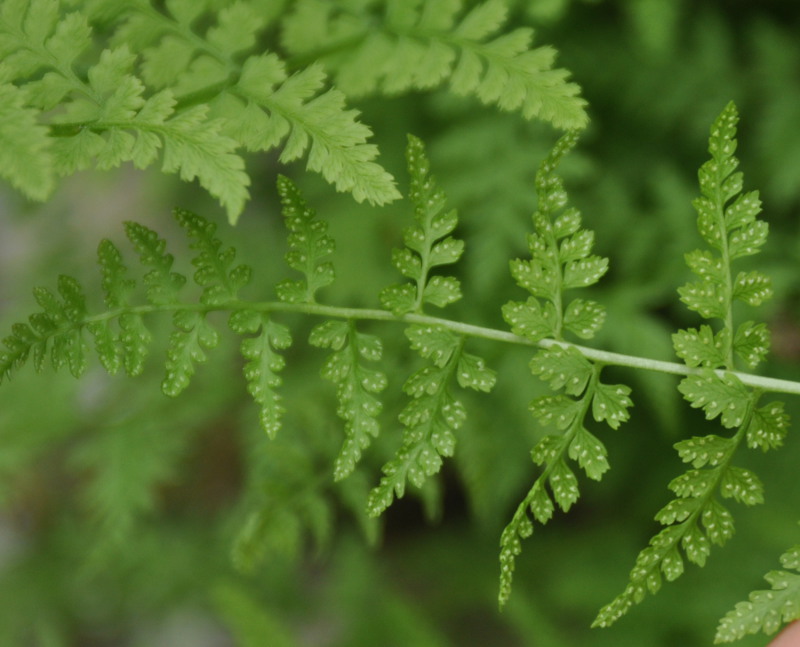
[[357, 386], [766, 610], [403, 45], [191, 83], [433, 414], [696, 519], [164, 87], [561, 259]]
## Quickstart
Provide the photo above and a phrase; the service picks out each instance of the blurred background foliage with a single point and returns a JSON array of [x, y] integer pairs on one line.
[[129, 519]]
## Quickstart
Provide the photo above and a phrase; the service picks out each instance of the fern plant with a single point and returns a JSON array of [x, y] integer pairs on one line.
[[561, 260], [195, 86]]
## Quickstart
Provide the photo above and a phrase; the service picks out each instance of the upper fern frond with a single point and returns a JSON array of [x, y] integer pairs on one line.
[[24, 156], [258, 102], [415, 45], [165, 85]]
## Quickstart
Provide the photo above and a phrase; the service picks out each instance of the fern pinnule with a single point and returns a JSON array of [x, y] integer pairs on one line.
[[220, 282], [309, 247], [428, 244], [766, 610], [263, 363]]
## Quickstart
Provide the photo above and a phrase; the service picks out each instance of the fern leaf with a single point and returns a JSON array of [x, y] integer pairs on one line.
[[356, 387], [565, 369], [695, 519], [263, 363], [162, 283], [275, 106], [422, 45], [766, 610], [727, 220], [561, 259], [133, 337], [194, 147], [192, 144], [428, 244], [25, 159], [309, 244], [191, 337], [433, 414], [220, 281], [257, 103]]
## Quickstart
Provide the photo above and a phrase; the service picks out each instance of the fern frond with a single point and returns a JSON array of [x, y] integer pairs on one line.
[[192, 336], [766, 610], [695, 519], [136, 128], [220, 282], [162, 283], [106, 120], [25, 160], [564, 368], [560, 260], [261, 113], [257, 102], [263, 363], [433, 414], [422, 45]]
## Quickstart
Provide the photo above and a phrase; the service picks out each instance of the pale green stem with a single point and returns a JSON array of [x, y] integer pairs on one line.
[[605, 357]]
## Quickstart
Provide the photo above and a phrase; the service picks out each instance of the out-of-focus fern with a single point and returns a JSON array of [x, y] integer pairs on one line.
[[400, 45], [191, 82]]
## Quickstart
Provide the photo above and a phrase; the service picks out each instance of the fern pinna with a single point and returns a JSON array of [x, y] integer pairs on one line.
[[561, 261]]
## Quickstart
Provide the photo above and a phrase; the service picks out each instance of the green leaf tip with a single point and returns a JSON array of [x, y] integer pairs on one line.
[[428, 243], [309, 247], [561, 259]]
